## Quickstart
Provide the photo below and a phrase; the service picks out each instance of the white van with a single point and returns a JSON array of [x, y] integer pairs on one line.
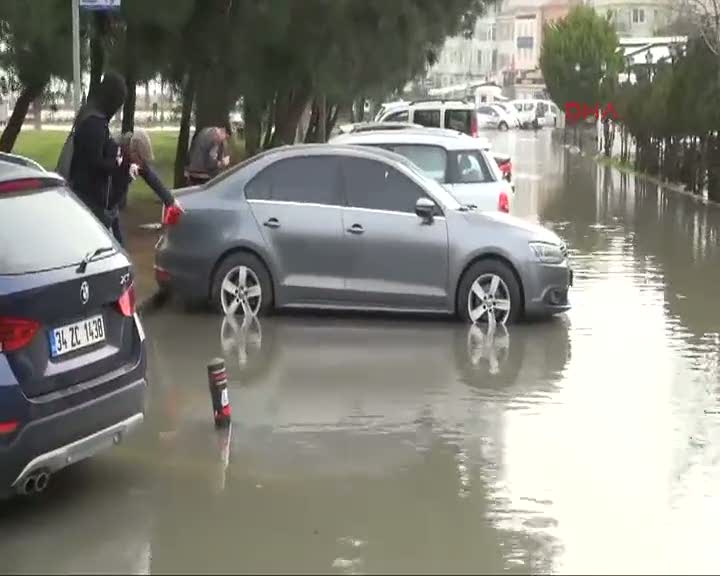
[[532, 110]]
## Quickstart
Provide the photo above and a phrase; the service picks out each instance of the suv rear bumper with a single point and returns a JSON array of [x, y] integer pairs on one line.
[[51, 443]]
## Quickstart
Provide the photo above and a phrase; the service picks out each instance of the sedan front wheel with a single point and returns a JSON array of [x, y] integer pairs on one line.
[[489, 294]]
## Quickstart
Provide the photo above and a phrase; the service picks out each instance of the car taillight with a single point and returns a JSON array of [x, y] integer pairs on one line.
[[126, 303], [20, 185], [171, 215], [474, 125], [504, 202], [16, 333], [8, 427]]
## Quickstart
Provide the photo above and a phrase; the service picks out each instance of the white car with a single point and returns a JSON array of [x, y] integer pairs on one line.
[[495, 116], [457, 161]]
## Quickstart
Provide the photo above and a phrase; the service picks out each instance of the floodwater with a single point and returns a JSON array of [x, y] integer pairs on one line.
[[361, 444]]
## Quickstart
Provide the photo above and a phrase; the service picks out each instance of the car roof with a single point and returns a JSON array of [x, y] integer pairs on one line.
[[330, 148], [13, 171], [447, 139]]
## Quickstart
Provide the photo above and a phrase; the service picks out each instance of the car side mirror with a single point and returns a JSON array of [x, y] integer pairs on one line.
[[425, 209]]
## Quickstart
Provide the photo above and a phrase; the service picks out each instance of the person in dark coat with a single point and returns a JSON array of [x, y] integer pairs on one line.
[[95, 155], [208, 155], [137, 154]]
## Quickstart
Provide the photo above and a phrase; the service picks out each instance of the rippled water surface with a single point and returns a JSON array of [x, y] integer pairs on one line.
[[372, 444]]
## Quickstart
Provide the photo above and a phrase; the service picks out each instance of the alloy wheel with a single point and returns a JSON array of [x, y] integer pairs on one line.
[[240, 292], [489, 300]]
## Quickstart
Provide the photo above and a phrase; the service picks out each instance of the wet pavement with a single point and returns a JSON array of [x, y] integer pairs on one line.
[[364, 444]]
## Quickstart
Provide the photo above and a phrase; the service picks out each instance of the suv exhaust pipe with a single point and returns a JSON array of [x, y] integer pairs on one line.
[[34, 484]]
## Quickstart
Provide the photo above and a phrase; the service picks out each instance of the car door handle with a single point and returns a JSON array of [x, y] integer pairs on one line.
[[356, 229], [272, 223]]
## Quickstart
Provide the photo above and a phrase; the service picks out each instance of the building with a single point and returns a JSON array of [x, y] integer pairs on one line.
[[637, 18]]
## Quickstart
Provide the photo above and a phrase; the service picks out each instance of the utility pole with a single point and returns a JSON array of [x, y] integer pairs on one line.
[[76, 53]]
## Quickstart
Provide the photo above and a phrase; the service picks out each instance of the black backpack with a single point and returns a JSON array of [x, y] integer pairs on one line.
[[64, 162]]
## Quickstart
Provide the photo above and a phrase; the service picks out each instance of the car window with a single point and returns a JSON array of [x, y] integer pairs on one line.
[[460, 120], [484, 110], [430, 159], [45, 230], [528, 107], [518, 106], [309, 180], [428, 118], [401, 116], [472, 168], [376, 186]]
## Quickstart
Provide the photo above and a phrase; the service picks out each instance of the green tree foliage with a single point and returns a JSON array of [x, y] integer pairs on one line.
[[674, 119], [585, 39], [38, 45]]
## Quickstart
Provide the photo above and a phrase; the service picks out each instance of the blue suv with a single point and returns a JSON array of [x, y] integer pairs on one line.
[[72, 353]]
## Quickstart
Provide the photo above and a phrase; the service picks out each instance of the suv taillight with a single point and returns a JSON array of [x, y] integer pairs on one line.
[[171, 215], [16, 333], [473, 125], [504, 202], [126, 302]]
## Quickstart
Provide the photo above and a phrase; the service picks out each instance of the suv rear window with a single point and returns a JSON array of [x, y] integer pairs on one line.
[[432, 160], [460, 120], [45, 230], [470, 167]]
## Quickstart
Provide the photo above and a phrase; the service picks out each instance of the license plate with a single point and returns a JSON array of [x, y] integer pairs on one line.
[[76, 336]]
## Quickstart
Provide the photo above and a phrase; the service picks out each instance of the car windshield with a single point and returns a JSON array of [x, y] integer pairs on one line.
[[35, 235]]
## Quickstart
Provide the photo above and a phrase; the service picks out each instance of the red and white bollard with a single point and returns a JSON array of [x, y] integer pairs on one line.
[[217, 381]]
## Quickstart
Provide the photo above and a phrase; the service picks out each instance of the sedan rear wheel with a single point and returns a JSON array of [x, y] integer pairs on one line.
[[489, 294], [242, 286]]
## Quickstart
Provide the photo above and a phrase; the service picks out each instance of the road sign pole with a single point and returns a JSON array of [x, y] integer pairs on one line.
[[77, 87]]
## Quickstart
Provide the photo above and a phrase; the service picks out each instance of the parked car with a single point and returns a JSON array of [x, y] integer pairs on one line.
[[451, 114], [532, 112], [453, 159], [72, 358], [20, 161], [331, 226], [511, 111], [494, 116], [503, 161]]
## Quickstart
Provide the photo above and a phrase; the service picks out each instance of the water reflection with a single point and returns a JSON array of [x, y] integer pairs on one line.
[[361, 429]]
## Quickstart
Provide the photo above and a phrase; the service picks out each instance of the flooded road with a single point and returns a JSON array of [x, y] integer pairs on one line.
[[361, 444]]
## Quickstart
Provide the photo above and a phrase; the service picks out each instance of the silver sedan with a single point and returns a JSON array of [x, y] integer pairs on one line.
[[346, 227]]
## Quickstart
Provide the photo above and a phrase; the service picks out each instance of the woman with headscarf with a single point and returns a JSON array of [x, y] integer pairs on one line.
[[137, 153], [95, 155]]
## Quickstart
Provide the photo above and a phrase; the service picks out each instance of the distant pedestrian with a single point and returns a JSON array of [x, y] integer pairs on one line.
[[137, 154], [208, 155], [95, 155]]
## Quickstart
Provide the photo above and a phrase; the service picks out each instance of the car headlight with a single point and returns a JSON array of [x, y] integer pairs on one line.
[[548, 253]]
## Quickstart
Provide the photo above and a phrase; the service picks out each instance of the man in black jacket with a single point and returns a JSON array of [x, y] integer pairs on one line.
[[95, 155]]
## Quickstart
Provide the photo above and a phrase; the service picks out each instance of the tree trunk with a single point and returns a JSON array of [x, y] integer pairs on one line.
[[97, 51], [311, 134], [15, 122], [322, 118], [128, 116], [289, 105], [213, 105], [188, 98], [253, 126], [37, 113], [332, 119]]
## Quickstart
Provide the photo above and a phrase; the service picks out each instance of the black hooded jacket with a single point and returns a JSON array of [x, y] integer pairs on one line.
[[94, 152]]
